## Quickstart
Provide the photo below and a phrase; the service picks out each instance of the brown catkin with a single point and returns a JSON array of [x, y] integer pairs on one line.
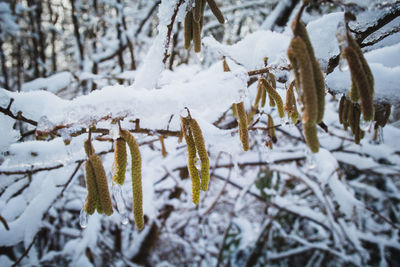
[[120, 159], [216, 11], [188, 31], [196, 36], [382, 114], [87, 145], [91, 199], [353, 44], [350, 117], [277, 98], [263, 96], [310, 132], [102, 184], [298, 51], [136, 170], [242, 121], [290, 105], [353, 92], [191, 149], [225, 65], [163, 149], [202, 152], [361, 82], [272, 80], [197, 11], [357, 130], [299, 29], [341, 108], [271, 130], [344, 117], [258, 95]]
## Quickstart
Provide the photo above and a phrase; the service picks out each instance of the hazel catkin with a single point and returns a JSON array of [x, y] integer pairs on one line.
[[102, 184], [91, 199], [136, 171], [120, 159], [274, 94], [202, 152], [361, 81], [242, 121], [191, 149]]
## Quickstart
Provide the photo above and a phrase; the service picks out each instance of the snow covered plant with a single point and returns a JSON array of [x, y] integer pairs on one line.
[[273, 142]]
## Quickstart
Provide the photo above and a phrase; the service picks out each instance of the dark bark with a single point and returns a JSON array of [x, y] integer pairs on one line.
[[75, 22], [3, 66]]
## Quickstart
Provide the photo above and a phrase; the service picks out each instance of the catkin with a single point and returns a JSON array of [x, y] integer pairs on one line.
[[299, 29], [120, 159], [382, 114], [342, 103], [344, 116], [361, 82], [87, 145], [310, 132], [353, 44], [102, 184], [274, 94], [91, 199], [357, 131], [163, 149], [188, 29], [271, 130], [196, 36], [225, 65], [258, 95], [191, 149], [272, 80], [197, 11], [202, 152], [216, 11], [136, 170], [353, 93], [290, 104], [298, 51], [263, 95], [242, 121]]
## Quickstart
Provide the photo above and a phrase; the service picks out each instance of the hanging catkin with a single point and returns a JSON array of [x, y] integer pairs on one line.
[[191, 149], [361, 81], [188, 31], [298, 55], [242, 121], [163, 149], [102, 184], [290, 105], [136, 170], [216, 11], [300, 30], [202, 152], [196, 36], [274, 94], [271, 131], [91, 199], [310, 133], [120, 160]]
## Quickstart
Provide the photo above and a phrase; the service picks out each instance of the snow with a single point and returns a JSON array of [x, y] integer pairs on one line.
[[26, 226], [251, 51], [8, 135], [324, 39], [52, 83]]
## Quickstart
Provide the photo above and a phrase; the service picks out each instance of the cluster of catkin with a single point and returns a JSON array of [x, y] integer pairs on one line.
[[267, 86], [309, 82], [196, 147], [350, 115], [98, 197], [362, 87], [194, 21]]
